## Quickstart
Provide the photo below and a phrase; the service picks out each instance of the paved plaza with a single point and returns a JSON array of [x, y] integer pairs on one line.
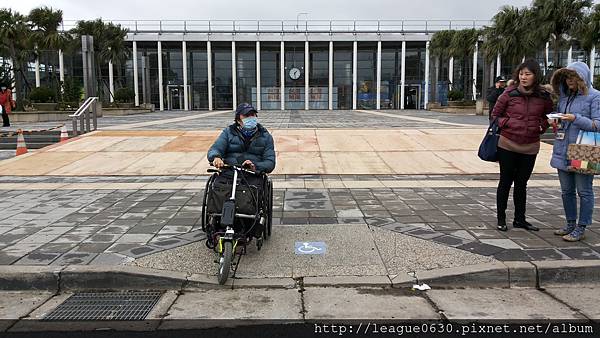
[[134, 188]]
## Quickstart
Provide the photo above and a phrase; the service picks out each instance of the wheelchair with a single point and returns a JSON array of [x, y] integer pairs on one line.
[[237, 207]]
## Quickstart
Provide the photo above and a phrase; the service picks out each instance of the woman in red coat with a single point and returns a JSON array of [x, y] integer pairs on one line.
[[7, 103], [521, 112]]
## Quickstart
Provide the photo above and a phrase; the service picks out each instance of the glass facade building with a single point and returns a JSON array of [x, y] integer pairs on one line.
[[296, 68]]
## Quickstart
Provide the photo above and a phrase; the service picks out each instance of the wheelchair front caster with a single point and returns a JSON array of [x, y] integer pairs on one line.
[[259, 243]]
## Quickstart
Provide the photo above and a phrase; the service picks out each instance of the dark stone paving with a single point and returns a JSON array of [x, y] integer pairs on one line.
[[59, 227]]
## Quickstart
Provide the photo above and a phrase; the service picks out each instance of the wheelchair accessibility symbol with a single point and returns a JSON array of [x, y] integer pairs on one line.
[[310, 248]]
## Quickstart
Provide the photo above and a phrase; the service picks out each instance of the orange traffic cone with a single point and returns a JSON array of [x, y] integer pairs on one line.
[[21, 145], [63, 133]]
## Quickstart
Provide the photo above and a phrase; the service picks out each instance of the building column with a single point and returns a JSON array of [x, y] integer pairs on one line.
[[498, 65], [330, 90], [37, 71], [233, 75], [111, 81], [61, 65], [136, 90], [161, 100], [402, 74], [258, 98], [378, 105], [592, 63], [186, 101], [451, 73], [282, 75], [12, 75], [475, 71], [570, 55], [546, 51], [209, 66], [354, 77], [426, 94], [306, 74]]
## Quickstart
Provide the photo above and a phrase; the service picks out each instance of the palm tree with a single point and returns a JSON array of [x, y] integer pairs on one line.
[[114, 49], [510, 35], [462, 46], [588, 32], [15, 43], [109, 43], [44, 23], [556, 21], [439, 48]]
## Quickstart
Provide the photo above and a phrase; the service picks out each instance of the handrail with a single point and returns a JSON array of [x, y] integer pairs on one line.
[[83, 115], [289, 26]]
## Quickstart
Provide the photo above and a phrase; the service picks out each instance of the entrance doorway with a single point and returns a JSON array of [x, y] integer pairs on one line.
[[175, 97], [412, 97]]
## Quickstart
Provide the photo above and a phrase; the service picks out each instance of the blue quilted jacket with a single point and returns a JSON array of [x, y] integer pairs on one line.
[[586, 109], [233, 149]]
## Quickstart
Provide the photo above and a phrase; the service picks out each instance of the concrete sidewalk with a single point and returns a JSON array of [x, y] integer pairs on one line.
[[315, 307]]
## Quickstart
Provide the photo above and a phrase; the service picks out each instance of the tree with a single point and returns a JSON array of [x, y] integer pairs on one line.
[[114, 48], [44, 23], [588, 31], [462, 47], [556, 21], [15, 43], [439, 47], [109, 44], [440, 43], [510, 35]]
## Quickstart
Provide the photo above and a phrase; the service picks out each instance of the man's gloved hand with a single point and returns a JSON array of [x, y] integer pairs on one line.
[[218, 162]]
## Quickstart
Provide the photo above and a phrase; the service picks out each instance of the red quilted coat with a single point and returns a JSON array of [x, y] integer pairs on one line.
[[520, 116], [6, 100]]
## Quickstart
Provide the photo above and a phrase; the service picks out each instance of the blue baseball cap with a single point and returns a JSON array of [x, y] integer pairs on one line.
[[244, 109]]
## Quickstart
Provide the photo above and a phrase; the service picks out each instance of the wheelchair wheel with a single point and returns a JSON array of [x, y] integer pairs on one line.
[[269, 198], [204, 220], [225, 262]]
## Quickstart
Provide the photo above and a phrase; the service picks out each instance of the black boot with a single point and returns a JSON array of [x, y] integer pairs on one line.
[[525, 225], [502, 225]]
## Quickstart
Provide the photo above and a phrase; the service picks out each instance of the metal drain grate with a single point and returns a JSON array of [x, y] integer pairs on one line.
[[125, 305]]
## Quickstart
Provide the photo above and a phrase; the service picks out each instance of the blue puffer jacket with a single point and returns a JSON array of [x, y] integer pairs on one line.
[[233, 149], [586, 109]]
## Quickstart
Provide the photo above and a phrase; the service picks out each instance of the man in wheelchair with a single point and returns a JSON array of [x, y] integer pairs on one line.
[[247, 144]]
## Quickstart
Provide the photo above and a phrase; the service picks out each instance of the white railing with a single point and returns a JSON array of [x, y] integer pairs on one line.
[[290, 26], [82, 115]]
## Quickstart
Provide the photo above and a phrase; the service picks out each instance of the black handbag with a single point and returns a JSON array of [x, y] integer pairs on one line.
[[488, 149]]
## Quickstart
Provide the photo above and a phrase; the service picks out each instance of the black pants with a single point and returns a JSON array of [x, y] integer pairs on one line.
[[517, 168], [5, 120]]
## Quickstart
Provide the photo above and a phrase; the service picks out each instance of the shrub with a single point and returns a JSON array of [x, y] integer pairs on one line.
[[124, 95], [42, 94], [455, 95], [72, 90]]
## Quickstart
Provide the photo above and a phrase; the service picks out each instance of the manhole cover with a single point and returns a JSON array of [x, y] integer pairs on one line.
[[125, 305]]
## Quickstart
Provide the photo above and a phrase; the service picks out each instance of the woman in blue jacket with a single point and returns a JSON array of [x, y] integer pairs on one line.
[[580, 103], [245, 143]]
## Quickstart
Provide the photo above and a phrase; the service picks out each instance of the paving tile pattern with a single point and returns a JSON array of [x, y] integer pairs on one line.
[[61, 227]]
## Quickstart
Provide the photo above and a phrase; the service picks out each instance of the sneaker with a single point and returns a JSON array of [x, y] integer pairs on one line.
[[525, 225], [575, 235], [567, 229]]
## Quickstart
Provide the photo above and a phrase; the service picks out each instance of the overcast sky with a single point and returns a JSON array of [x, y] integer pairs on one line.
[[270, 9]]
